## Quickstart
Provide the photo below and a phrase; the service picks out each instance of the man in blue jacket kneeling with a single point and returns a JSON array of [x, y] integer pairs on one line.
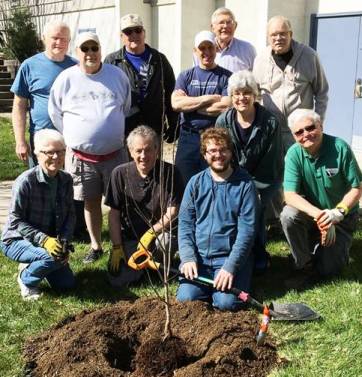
[[217, 222]]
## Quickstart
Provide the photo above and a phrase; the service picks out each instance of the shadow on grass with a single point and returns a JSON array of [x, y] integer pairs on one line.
[[92, 284]]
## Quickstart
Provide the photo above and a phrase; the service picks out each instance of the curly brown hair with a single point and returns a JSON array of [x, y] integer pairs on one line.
[[219, 136]]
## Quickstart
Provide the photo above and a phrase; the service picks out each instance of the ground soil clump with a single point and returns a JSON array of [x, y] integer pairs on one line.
[[125, 339]]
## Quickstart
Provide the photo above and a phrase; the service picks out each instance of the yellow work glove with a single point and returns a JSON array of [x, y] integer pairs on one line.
[[115, 259], [53, 246], [146, 240]]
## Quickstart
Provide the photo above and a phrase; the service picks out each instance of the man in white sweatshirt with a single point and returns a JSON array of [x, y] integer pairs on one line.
[[87, 104]]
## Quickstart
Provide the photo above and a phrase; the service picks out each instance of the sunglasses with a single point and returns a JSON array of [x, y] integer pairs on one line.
[[92, 48], [310, 128], [137, 30]]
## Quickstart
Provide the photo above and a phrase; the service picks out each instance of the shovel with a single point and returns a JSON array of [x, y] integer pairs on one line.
[[142, 259]]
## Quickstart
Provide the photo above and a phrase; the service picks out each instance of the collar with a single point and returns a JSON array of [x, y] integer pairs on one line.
[[226, 48], [322, 150]]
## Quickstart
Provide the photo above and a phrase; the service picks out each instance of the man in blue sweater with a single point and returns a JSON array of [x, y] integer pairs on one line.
[[217, 222]]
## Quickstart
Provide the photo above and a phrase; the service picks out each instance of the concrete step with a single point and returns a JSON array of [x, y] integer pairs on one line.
[[6, 95], [6, 81], [6, 103], [3, 68], [5, 88], [5, 75]]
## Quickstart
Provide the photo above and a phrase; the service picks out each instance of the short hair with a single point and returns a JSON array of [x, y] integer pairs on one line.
[[43, 137], [285, 20], [51, 25], [300, 114], [220, 11], [242, 80], [146, 133], [218, 135]]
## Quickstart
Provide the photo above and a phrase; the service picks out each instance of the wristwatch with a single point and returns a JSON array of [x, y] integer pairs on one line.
[[342, 211]]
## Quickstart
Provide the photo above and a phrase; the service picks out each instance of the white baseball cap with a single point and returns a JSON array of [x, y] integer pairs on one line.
[[85, 37], [203, 36], [131, 20]]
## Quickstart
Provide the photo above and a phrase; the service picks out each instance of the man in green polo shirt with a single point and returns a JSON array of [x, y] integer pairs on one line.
[[322, 188]]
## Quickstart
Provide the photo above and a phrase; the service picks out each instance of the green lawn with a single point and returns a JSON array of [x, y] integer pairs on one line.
[[329, 347], [10, 165]]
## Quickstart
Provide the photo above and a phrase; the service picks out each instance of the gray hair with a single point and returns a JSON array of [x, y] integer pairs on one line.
[[146, 133], [223, 11], [280, 18], [300, 114], [43, 137], [242, 80], [51, 25]]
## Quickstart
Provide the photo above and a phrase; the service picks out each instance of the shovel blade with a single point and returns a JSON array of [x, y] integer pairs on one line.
[[292, 312]]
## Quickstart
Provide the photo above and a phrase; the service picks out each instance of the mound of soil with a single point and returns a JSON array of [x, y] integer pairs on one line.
[[125, 339]]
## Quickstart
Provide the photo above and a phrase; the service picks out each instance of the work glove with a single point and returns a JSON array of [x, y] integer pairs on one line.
[[116, 257], [146, 240], [53, 247], [328, 236], [329, 216]]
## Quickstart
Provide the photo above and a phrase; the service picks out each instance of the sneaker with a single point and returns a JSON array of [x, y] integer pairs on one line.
[[92, 256], [27, 293]]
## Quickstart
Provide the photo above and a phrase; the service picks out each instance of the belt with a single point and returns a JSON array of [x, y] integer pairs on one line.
[[192, 130]]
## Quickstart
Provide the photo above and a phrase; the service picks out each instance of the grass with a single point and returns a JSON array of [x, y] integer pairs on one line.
[[329, 347], [10, 165]]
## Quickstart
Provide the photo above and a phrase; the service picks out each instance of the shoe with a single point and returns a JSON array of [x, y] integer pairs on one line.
[[27, 293], [303, 278], [92, 256]]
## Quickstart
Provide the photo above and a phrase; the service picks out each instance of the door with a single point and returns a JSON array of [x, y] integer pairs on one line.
[[338, 41]]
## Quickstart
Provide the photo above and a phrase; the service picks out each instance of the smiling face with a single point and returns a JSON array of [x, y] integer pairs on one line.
[[224, 28], [144, 153], [206, 53], [56, 43], [218, 156], [89, 55], [279, 36], [133, 39], [308, 134], [243, 100], [51, 157]]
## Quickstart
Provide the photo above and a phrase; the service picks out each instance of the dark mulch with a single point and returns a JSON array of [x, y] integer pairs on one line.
[[126, 339]]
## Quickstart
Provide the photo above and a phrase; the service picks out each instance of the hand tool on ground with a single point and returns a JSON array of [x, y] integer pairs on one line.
[[142, 259]]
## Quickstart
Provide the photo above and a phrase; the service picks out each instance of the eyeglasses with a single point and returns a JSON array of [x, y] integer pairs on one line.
[[85, 49], [137, 30], [242, 94], [214, 152], [51, 154], [310, 128], [226, 23]]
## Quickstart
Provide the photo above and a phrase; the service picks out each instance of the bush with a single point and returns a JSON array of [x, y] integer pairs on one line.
[[19, 38]]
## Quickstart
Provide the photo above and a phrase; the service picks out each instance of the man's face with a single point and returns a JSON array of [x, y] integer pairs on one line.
[[217, 156], [51, 157], [57, 42], [243, 100], [133, 39], [224, 28], [206, 53], [308, 134], [89, 55], [144, 153], [279, 37]]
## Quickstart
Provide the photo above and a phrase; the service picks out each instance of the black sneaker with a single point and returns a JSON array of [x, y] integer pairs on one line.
[[92, 256]]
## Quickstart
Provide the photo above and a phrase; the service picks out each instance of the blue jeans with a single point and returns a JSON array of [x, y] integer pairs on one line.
[[259, 248], [188, 157], [41, 265], [209, 267]]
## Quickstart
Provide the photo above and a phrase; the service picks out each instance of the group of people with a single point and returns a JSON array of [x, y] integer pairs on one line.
[[248, 126]]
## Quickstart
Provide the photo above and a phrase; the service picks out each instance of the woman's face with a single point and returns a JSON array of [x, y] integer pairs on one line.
[[243, 99]]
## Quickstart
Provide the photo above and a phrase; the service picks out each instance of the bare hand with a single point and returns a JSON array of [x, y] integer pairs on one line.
[[179, 92], [22, 151], [189, 269], [224, 280]]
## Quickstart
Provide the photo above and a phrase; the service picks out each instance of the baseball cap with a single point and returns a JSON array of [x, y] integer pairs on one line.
[[131, 20], [203, 36], [86, 36]]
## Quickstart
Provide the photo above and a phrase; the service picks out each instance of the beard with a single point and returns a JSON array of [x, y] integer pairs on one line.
[[220, 169]]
